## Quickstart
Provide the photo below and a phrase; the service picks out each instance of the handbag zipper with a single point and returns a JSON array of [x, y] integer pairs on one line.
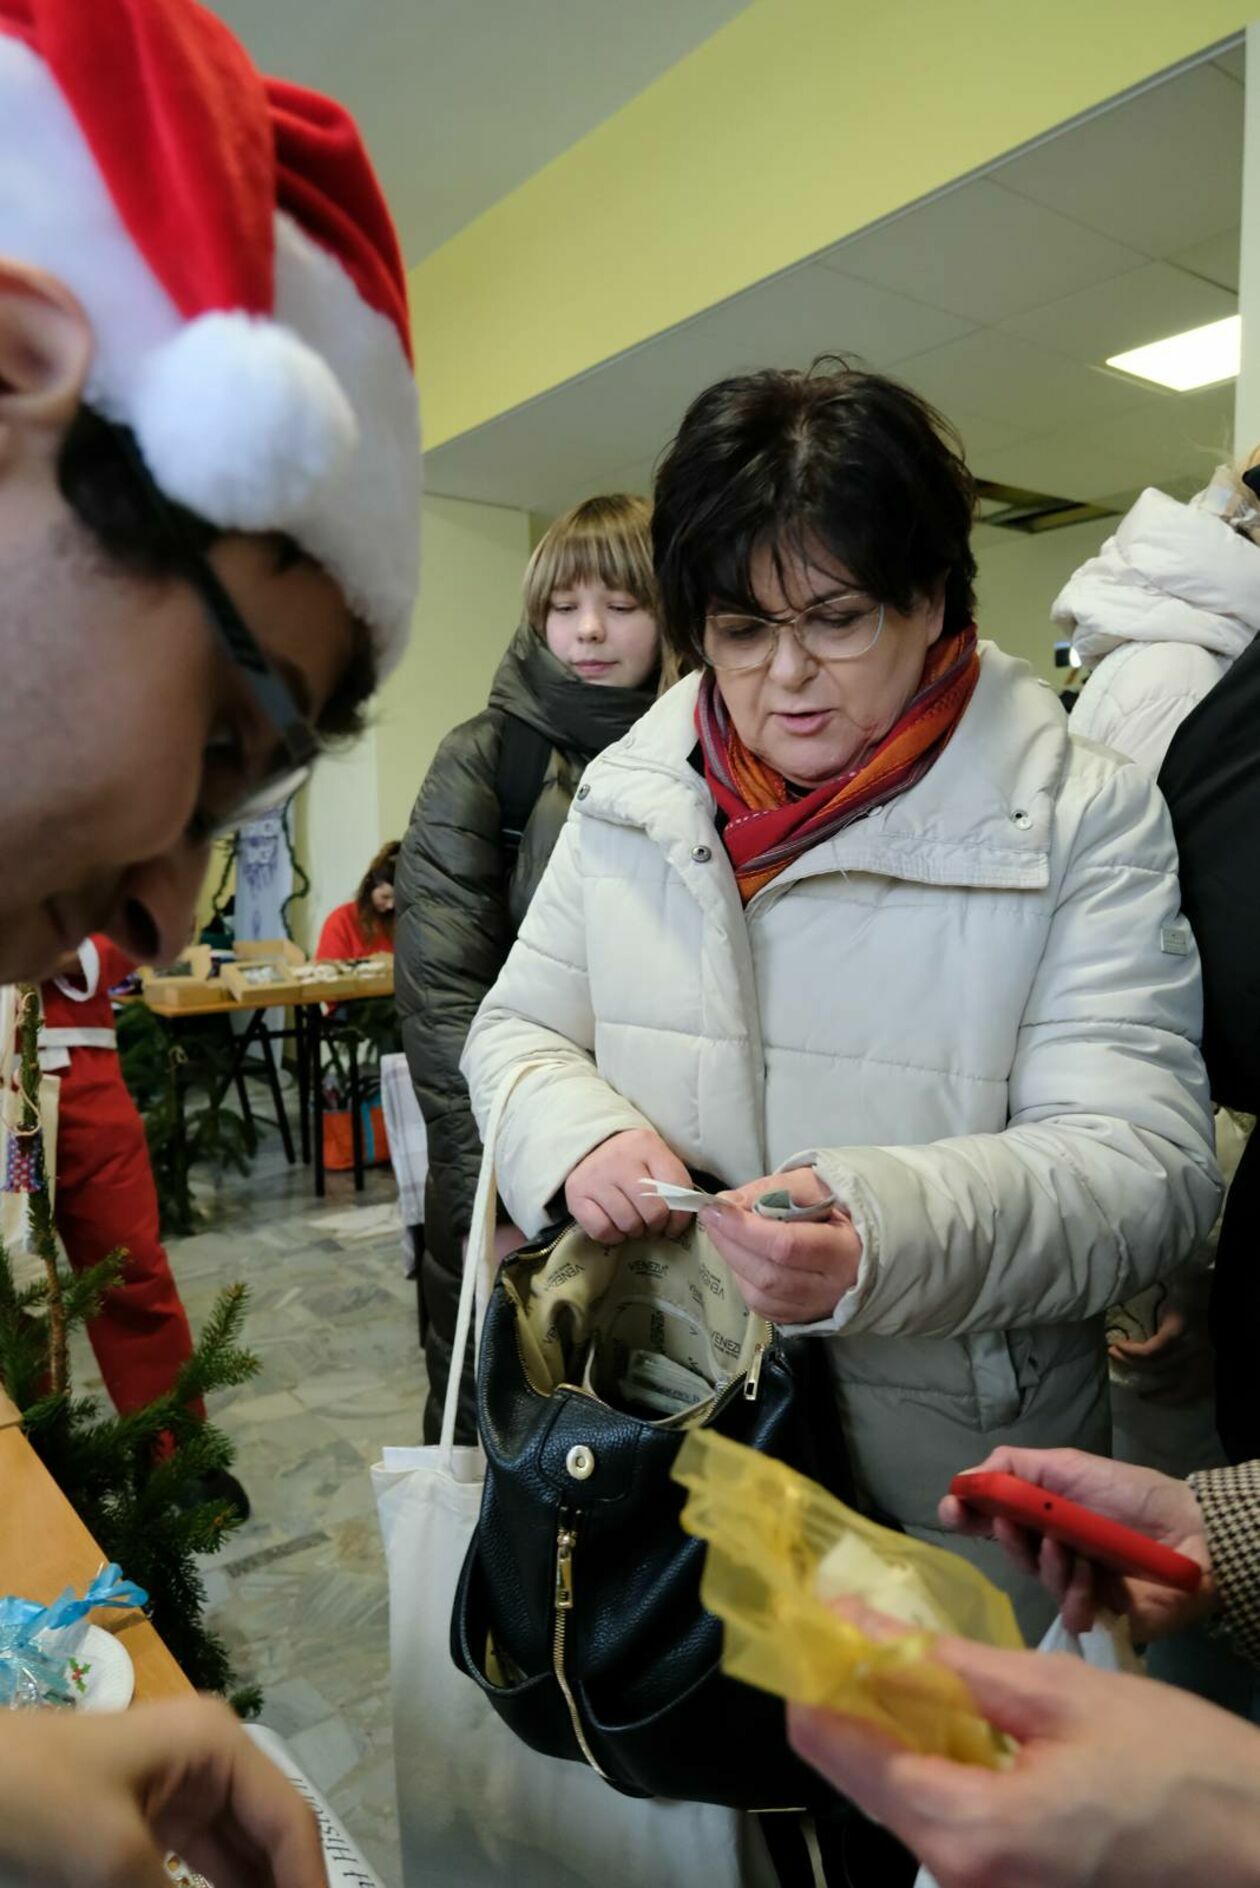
[[752, 1382], [566, 1539]]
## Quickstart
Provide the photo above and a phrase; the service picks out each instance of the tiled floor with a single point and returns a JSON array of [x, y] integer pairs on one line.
[[299, 1592]]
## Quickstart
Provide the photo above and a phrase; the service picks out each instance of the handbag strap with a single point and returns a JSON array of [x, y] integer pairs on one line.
[[480, 1268]]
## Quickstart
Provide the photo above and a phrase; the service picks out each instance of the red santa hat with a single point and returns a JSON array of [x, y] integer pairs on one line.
[[228, 239]]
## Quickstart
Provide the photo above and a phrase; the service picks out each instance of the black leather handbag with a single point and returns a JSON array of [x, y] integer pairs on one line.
[[578, 1610]]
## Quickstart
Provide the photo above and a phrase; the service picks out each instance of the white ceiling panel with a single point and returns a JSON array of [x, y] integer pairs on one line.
[[1170, 437], [1217, 260], [983, 253], [1160, 172], [979, 434], [1143, 305], [1003, 378]]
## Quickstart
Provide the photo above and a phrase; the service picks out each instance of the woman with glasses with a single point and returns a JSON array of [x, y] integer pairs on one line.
[[850, 911]]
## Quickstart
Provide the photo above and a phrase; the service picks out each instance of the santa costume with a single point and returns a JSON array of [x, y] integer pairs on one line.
[[105, 1199], [228, 241]]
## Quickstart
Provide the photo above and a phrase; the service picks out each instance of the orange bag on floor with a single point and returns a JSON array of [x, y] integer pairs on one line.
[[339, 1139]]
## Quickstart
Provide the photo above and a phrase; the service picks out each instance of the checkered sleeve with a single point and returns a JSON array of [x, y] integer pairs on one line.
[[1230, 1500]]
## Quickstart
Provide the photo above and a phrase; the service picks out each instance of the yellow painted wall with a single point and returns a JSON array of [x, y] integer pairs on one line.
[[798, 123], [474, 557]]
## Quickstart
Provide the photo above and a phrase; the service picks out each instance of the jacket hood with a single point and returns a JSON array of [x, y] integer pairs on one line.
[[581, 717], [1170, 573]]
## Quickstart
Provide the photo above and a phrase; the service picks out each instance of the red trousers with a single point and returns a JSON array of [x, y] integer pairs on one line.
[[105, 1199]]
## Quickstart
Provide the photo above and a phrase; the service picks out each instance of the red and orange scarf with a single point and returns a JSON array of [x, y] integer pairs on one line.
[[766, 827]]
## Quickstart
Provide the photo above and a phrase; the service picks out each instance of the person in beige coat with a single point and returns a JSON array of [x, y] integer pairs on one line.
[[851, 903]]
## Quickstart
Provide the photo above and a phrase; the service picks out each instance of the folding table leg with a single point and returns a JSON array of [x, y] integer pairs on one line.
[[300, 1042], [356, 1113], [277, 1094], [315, 1075]]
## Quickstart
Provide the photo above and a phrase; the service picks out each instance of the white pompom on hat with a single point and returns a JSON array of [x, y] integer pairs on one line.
[[229, 242]]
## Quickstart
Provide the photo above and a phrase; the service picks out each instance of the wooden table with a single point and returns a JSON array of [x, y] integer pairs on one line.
[[310, 1031], [44, 1547]]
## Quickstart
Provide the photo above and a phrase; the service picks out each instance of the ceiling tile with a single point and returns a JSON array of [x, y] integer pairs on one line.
[[981, 434], [1144, 305], [1217, 258], [1171, 437], [1161, 172], [982, 252], [1000, 377], [786, 322]]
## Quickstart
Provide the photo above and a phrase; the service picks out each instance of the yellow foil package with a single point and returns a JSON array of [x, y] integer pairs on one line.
[[781, 1550]]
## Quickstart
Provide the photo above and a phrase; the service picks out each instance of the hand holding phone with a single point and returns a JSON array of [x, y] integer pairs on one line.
[[1158, 1508], [1106, 1543]]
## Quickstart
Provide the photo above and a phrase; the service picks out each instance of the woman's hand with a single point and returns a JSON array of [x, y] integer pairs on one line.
[[790, 1271], [1169, 1330], [1118, 1780], [1157, 1506], [604, 1192]]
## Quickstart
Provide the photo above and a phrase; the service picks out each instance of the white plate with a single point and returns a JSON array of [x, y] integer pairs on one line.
[[109, 1678]]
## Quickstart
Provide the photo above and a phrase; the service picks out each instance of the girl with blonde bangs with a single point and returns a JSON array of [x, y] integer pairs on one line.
[[584, 665]]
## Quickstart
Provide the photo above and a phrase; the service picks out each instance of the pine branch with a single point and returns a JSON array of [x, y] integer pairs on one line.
[[82, 1292]]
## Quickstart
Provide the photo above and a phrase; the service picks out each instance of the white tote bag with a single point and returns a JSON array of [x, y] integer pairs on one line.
[[475, 1805]]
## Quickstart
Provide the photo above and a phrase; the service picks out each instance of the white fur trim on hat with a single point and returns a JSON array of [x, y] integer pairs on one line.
[[240, 420], [307, 424]]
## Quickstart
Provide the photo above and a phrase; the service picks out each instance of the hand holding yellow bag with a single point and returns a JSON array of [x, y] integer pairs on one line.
[[782, 1552]]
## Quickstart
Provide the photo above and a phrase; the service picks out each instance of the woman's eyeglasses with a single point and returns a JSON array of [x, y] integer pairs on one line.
[[832, 631]]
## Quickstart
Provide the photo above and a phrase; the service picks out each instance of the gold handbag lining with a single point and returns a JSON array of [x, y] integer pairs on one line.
[[596, 1317]]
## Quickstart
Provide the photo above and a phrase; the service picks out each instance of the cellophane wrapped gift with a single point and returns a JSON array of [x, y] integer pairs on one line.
[[38, 1643], [783, 1556]]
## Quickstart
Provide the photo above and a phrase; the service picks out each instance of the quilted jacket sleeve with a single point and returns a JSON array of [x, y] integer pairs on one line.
[[1140, 696], [540, 1011], [450, 940], [1105, 1178]]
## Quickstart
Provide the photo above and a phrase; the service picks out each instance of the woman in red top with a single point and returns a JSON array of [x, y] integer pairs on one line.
[[365, 926]]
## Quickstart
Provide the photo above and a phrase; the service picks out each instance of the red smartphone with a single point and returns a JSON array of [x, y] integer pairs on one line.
[[1109, 1543]]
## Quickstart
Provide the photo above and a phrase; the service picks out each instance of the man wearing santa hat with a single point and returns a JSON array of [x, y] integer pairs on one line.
[[209, 485], [209, 505]]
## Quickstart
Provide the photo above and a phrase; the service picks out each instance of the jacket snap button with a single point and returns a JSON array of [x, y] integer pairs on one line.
[[580, 1463], [701, 854], [1022, 820], [582, 792]]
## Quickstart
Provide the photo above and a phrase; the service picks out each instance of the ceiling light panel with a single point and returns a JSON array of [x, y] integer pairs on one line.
[[1199, 357]]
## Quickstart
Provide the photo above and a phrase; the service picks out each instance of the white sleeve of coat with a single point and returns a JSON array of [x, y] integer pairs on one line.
[[1140, 696], [1142, 733], [1105, 1178], [540, 1011]]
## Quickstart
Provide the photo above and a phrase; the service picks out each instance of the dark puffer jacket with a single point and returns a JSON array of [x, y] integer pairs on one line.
[[460, 901]]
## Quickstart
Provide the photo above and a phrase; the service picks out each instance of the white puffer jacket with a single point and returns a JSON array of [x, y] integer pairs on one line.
[[979, 1005], [1170, 601]]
